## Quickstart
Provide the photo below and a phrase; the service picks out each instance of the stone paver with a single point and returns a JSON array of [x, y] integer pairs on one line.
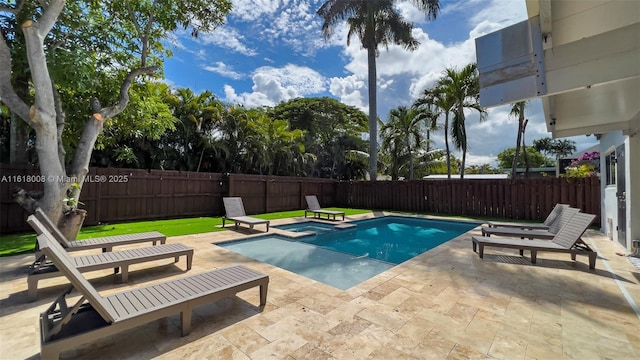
[[444, 304]]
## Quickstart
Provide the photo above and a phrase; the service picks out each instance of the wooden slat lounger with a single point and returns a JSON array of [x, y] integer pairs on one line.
[[105, 243], [92, 317], [234, 211], [561, 219], [313, 207], [532, 226], [567, 240], [42, 269], [121, 260]]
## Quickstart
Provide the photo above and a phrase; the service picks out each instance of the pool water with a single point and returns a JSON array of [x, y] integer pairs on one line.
[[313, 226], [337, 269], [392, 239], [345, 258]]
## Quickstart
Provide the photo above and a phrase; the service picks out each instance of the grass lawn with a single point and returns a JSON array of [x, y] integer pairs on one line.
[[23, 243]]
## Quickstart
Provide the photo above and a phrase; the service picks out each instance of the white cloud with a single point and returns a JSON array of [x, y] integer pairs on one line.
[[262, 26], [272, 85], [224, 70], [292, 22], [403, 75], [227, 37], [349, 90], [250, 10]]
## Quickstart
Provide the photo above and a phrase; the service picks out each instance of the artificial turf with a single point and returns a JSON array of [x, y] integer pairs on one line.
[[23, 243]]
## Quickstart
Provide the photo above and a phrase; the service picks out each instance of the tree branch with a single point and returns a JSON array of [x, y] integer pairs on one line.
[[80, 163], [7, 92], [50, 16], [60, 122], [123, 99]]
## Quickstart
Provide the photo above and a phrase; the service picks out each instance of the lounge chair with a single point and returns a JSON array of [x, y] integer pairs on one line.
[[532, 226], [105, 243], [121, 260], [567, 240], [560, 220], [234, 211], [64, 326], [313, 207]]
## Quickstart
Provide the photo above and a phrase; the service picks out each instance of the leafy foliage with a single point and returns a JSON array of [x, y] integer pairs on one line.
[[588, 164], [505, 158], [555, 147], [375, 23]]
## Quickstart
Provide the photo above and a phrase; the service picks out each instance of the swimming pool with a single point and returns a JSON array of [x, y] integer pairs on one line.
[[345, 258], [312, 226]]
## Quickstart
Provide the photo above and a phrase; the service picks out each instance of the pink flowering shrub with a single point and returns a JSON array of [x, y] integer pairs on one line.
[[588, 164]]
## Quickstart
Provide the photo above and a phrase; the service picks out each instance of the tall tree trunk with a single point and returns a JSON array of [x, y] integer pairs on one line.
[[446, 144], [373, 116], [518, 142], [19, 132], [524, 149], [18, 141], [428, 151], [410, 164]]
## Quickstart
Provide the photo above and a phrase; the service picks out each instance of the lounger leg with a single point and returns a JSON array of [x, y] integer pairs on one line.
[[481, 250], [189, 261], [263, 294], [185, 317], [125, 273], [592, 261], [47, 353], [521, 252], [573, 256], [474, 246], [176, 259], [32, 288], [534, 255]]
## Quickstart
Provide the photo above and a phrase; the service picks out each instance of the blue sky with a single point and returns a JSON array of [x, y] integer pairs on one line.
[[273, 50]]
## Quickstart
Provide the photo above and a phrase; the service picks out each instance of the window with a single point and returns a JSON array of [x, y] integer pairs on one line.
[[612, 168]]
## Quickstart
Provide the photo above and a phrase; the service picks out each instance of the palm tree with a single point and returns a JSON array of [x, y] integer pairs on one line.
[[462, 90], [434, 103], [375, 22], [517, 109], [430, 113], [404, 127]]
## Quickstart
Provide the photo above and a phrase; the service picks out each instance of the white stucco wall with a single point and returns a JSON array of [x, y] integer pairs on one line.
[[608, 143], [633, 188]]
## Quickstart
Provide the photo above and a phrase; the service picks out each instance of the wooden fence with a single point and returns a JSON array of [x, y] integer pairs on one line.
[[526, 199], [115, 195]]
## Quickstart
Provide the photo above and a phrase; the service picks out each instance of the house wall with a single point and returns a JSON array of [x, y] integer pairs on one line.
[[609, 205], [633, 189], [608, 144]]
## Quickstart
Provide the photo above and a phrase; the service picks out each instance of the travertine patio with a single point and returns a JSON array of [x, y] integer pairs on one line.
[[444, 304]]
